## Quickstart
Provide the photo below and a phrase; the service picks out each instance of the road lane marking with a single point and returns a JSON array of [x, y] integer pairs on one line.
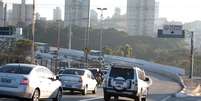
[[96, 98], [166, 98]]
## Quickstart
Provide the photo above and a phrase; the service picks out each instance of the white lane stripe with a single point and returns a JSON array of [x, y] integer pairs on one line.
[[96, 98], [166, 98]]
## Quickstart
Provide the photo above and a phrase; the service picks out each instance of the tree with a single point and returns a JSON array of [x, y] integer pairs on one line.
[[21, 51], [128, 50], [107, 50]]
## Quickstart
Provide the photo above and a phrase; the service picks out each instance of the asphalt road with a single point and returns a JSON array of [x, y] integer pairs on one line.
[[161, 90]]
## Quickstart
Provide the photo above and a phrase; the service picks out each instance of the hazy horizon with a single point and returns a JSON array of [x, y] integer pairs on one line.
[[173, 10]]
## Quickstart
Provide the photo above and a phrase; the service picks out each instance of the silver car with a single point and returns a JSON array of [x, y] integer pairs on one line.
[[32, 82], [78, 80]]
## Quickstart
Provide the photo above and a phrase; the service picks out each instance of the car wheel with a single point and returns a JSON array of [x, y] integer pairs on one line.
[[59, 96], [71, 91], [84, 92], [143, 99], [95, 90], [106, 96], [138, 98], [116, 98], [36, 95]]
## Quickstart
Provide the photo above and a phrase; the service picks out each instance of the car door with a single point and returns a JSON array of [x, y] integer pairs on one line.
[[142, 83], [51, 83], [92, 81], [41, 82]]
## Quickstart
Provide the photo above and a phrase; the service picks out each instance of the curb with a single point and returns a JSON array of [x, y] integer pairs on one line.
[[183, 93]]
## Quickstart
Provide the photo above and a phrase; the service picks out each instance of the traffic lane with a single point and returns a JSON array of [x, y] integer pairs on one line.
[[161, 88], [185, 99], [68, 96]]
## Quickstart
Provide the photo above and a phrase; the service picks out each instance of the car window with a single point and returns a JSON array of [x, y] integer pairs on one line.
[[73, 72], [126, 73], [47, 72], [94, 71], [17, 69]]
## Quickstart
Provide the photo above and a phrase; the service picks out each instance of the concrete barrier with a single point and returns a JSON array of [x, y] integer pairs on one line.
[[171, 72]]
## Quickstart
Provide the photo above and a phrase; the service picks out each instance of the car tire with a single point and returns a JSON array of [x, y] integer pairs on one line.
[[71, 91], [84, 92], [116, 98], [143, 99], [36, 95], [59, 96], [106, 96], [95, 90], [138, 98]]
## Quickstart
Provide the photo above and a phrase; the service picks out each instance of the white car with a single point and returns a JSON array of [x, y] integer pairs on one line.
[[28, 81], [126, 81], [78, 80]]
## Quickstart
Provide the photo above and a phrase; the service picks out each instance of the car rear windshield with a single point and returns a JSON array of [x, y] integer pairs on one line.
[[17, 69], [126, 73], [73, 72]]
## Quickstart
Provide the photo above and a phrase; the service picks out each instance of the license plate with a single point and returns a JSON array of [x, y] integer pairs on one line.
[[5, 80]]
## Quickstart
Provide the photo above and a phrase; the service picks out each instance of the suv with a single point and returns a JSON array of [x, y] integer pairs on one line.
[[126, 81]]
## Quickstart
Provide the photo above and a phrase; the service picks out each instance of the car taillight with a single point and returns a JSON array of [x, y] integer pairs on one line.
[[24, 81]]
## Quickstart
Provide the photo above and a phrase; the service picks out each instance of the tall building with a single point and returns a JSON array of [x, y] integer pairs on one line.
[[37, 16], [1, 13], [22, 14], [156, 18], [93, 18], [57, 14], [9, 17], [77, 12], [141, 17]]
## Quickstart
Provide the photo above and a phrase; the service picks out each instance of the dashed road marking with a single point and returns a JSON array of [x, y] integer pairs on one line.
[[166, 98], [91, 99]]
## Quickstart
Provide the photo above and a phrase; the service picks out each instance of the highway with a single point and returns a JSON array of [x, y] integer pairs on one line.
[[161, 90]]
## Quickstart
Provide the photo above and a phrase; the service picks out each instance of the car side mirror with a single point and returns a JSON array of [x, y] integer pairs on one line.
[[146, 79], [57, 77]]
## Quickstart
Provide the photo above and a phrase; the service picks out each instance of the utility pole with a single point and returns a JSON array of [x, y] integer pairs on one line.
[[192, 56], [86, 41], [33, 34], [58, 43], [70, 34], [101, 34], [5, 15]]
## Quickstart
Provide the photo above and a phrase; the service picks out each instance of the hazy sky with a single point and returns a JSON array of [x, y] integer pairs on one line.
[[177, 10]]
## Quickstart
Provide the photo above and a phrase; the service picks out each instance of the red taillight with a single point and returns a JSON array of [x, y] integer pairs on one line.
[[24, 82]]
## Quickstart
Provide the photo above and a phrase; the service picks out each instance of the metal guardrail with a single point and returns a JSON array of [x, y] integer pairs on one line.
[[4, 45]]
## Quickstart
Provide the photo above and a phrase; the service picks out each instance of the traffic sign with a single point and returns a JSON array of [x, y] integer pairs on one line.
[[171, 31]]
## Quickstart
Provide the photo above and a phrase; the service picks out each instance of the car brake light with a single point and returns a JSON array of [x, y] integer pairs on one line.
[[24, 82]]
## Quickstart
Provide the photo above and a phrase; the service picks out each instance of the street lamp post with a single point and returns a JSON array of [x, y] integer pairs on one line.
[[33, 34], [192, 56], [101, 33]]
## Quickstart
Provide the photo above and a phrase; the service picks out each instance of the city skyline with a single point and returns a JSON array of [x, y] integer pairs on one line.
[[173, 10]]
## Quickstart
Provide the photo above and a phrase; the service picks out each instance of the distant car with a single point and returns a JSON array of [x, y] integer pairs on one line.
[[126, 81], [78, 80], [28, 81]]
